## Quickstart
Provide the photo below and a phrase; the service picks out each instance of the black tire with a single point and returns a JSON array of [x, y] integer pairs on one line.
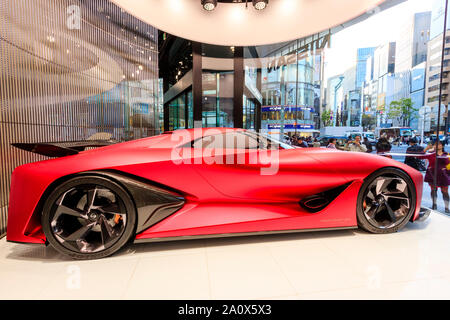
[[381, 224], [103, 232]]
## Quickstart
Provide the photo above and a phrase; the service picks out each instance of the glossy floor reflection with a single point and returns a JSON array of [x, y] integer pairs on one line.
[[411, 264]]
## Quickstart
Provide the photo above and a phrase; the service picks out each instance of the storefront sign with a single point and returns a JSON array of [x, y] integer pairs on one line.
[[291, 126], [286, 108]]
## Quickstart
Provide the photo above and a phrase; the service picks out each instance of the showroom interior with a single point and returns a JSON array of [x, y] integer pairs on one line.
[[122, 70]]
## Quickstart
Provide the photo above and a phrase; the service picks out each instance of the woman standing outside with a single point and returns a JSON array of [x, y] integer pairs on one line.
[[441, 178]]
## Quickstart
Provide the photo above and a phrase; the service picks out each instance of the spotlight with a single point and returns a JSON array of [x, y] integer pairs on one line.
[[209, 5], [260, 4]]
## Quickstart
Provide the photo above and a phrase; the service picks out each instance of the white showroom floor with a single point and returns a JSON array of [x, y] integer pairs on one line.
[[411, 264]]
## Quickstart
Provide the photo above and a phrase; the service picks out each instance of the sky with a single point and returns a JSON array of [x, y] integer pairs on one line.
[[381, 28]]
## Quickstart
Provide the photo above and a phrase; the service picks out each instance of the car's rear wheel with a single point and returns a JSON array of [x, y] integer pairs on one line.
[[88, 217], [386, 201]]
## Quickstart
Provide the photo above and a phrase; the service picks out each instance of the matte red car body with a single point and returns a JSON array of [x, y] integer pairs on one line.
[[220, 198]]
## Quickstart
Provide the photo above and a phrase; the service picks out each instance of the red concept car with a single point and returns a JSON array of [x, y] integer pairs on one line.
[[198, 183]]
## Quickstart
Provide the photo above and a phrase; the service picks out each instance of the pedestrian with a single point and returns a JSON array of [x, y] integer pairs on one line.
[[391, 139], [441, 177], [368, 145], [430, 146], [355, 145], [383, 146], [316, 143], [414, 162], [332, 143], [301, 143], [294, 140]]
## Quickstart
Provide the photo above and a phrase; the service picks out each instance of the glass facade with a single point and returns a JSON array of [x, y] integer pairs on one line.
[[363, 55], [181, 111], [217, 106], [290, 85], [217, 86], [354, 76]]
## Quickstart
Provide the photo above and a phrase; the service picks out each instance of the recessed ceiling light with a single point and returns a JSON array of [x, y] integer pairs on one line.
[[260, 4], [209, 5]]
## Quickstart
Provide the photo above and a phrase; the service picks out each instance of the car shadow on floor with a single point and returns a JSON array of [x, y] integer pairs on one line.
[[47, 254], [133, 250]]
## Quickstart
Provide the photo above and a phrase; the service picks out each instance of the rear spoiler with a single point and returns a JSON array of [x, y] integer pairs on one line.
[[62, 149]]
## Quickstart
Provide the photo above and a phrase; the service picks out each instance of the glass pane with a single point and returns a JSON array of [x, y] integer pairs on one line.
[[217, 86], [190, 109]]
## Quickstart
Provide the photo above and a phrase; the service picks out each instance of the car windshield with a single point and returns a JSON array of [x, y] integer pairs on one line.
[[405, 133]]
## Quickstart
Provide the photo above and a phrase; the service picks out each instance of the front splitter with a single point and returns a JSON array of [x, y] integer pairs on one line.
[[424, 214]]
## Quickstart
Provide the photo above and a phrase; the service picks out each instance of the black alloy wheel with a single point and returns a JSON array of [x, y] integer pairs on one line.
[[386, 201], [88, 217]]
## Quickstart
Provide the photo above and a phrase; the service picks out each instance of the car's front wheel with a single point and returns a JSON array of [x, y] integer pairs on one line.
[[88, 217], [386, 201]]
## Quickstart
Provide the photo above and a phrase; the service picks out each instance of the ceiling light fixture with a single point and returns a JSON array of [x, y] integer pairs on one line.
[[260, 4], [209, 5]]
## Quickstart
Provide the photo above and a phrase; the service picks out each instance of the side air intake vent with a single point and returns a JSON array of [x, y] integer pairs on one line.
[[315, 202], [320, 201]]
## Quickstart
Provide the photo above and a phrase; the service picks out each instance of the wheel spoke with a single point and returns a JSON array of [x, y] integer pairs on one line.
[[80, 233], [372, 212], [91, 194], [371, 195], [62, 209], [396, 195], [390, 212], [400, 198], [111, 209], [106, 230], [383, 183]]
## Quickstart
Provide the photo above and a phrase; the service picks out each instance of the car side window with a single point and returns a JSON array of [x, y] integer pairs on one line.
[[232, 140], [236, 140]]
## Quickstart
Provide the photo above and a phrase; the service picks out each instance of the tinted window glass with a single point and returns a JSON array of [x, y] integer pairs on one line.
[[238, 140]]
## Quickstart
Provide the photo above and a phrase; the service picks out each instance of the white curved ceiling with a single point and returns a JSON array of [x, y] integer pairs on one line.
[[233, 24]]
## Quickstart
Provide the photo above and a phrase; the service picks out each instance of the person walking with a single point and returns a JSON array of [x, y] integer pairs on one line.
[[413, 162], [332, 143], [383, 145], [368, 145], [316, 143], [442, 176], [301, 143], [355, 146]]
